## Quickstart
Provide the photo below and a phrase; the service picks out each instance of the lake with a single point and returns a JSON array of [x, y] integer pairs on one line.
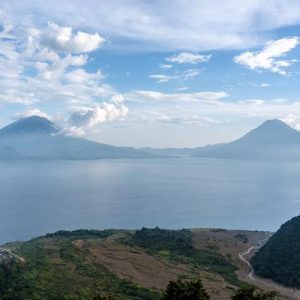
[[38, 197]]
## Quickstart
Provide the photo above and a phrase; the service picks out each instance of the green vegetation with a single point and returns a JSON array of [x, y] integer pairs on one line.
[[82, 233], [279, 259], [194, 290], [249, 293], [178, 245], [185, 290], [68, 265], [177, 241], [56, 269], [242, 237]]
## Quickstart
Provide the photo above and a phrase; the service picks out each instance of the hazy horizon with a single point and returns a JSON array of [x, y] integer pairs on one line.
[[60, 131]]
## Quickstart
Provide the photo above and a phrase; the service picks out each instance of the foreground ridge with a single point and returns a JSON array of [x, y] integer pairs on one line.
[[124, 264]]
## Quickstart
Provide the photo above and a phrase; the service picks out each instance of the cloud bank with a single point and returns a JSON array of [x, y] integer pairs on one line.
[[84, 118], [270, 57], [64, 39], [48, 68], [193, 25]]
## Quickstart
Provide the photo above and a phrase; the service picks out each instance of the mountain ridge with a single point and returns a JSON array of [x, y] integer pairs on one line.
[[37, 137]]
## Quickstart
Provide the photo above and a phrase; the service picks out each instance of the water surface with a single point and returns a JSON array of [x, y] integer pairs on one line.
[[45, 196]]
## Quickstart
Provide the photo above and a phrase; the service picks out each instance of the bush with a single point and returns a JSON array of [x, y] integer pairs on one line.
[[185, 290], [178, 245], [249, 293]]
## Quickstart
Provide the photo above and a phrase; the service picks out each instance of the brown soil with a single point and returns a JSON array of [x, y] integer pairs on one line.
[[155, 272]]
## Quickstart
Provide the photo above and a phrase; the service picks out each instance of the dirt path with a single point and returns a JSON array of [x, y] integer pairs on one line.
[[287, 293], [6, 251], [242, 258], [243, 255]]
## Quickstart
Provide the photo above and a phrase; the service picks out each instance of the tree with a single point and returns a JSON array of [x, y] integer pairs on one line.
[[249, 293], [98, 297], [185, 290]]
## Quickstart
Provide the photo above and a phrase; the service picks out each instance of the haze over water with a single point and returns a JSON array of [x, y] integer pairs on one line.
[[41, 197]]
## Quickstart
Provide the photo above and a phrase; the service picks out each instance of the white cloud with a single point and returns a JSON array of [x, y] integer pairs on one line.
[[209, 108], [32, 112], [80, 76], [155, 96], [64, 39], [198, 26], [264, 84], [173, 118], [55, 70], [35, 73], [85, 118], [211, 96], [270, 57], [279, 100], [7, 27], [183, 88], [292, 120], [165, 66], [53, 67], [162, 78], [188, 58], [253, 102], [32, 73], [185, 75], [189, 74]]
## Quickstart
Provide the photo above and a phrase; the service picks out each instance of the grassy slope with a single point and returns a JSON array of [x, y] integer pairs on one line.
[[56, 268], [125, 265]]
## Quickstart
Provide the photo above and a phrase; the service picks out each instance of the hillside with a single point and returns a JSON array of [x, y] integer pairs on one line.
[[279, 259], [84, 264]]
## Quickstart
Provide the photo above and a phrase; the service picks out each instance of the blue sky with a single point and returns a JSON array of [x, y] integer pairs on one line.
[[151, 73]]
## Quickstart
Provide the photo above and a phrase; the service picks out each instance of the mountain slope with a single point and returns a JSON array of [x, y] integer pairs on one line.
[[279, 259], [38, 138], [271, 140], [31, 125]]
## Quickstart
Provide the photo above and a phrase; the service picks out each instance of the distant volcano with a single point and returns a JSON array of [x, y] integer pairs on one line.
[[272, 140], [38, 138], [31, 125], [271, 132]]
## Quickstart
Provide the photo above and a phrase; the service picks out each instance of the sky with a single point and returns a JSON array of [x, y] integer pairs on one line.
[[159, 73]]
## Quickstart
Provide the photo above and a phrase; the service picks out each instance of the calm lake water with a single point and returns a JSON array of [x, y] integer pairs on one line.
[[41, 197]]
